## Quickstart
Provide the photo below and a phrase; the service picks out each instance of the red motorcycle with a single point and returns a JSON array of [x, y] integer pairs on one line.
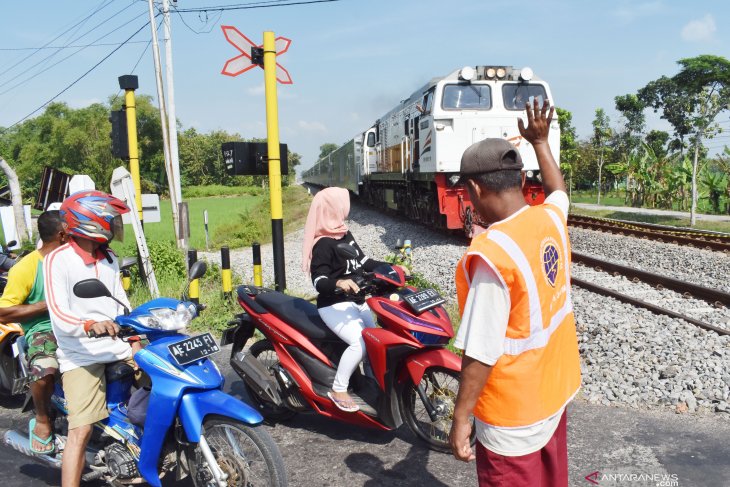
[[411, 376]]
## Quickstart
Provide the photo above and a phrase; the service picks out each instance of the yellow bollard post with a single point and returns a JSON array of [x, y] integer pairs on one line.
[[194, 292], [272, 130], [126, 280], [257, 277], [129, 83], [226, 278]]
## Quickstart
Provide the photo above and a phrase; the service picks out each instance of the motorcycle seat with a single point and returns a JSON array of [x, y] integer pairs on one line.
[[297, 313]]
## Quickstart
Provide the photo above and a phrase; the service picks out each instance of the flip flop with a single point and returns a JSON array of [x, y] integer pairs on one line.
[[33, 436], [342, 404]]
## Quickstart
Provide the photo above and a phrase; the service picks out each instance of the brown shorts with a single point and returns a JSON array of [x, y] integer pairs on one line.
[[85, 392]]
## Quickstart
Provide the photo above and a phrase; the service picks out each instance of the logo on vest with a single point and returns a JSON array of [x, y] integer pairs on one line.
[[550, 260]]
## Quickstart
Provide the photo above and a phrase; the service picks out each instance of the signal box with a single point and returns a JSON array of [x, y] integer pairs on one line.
[[251, 158]]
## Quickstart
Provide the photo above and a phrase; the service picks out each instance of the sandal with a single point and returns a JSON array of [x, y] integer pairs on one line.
[[32, 436], [343, 404]]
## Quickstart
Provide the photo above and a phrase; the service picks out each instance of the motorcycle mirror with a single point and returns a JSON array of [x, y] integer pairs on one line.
[[197, 270], [12, 243], [128, 262], [346, 251], [398, 244], [94, 288]]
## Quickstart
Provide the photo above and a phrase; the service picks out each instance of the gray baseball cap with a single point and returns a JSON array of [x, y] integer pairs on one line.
[[489, 155]]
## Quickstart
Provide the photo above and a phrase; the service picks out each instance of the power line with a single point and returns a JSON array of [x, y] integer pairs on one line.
[[74, 40], [207, 21], [81, 22], [33, 75], [78, 79], [67, 47], [139, 59], [252, 5]]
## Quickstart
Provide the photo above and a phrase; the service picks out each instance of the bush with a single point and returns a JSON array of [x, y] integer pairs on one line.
[[167, 260]]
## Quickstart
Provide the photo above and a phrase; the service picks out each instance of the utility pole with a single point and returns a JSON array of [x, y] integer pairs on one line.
[[163, 125], [129, 83], [171, 116]]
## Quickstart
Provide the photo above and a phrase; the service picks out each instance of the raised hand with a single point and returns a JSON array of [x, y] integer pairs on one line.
[[538, 122]]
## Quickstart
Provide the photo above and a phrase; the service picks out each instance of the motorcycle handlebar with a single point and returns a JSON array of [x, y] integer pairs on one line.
[[123, 333]]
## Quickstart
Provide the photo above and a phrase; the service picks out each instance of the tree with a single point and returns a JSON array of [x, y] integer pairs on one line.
[[690, 101], [326, 149], [632, 109], [657, 140], [601, 133], [568, 144]]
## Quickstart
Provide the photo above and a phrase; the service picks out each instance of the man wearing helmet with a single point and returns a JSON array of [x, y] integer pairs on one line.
[[93, 220]]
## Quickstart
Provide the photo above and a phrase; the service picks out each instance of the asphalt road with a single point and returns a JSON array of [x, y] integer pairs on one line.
[[691, 449]]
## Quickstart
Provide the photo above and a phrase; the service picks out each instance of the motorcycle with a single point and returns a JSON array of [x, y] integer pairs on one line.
[[7, 260], [189, 427], [411, 376]]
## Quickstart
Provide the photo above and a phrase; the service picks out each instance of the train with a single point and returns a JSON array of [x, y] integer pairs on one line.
[[408, 160]]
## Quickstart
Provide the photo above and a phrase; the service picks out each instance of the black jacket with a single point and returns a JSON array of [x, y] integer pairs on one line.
[[327, 268]]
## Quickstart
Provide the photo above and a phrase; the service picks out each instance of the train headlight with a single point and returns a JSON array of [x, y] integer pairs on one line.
[[526, 74], [454, 179], [491, 73], [530, 174], [467, 73], [501, 72]]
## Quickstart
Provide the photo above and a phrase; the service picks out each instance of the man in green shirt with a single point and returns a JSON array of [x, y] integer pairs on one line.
[[23, 301]]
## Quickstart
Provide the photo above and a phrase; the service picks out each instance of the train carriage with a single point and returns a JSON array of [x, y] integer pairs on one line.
[[408, 160]]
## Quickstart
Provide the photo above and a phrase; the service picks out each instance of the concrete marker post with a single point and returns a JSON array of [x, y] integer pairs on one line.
[[226, 277], [257, 278], [194, 292]]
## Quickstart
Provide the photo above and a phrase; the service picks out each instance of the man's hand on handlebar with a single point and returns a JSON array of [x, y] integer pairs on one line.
[[348, 286], [103, 328]]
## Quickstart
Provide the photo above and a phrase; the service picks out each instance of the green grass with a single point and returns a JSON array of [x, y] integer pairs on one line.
[[608, 200], [220, 212], [657, 219]]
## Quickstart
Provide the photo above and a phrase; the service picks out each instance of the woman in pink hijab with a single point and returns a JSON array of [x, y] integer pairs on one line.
[[344, 313]]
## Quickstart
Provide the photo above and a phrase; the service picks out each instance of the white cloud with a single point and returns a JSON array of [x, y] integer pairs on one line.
[[313, 127], [701, 30]]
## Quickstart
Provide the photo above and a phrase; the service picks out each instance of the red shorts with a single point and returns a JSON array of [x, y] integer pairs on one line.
[[547, 467]]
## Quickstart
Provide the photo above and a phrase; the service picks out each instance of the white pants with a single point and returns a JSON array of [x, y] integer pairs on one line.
[[347, 320]]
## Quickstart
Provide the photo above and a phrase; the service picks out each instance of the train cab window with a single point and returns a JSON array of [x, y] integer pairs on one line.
[[467, 97], [517, 94], [371, 139]]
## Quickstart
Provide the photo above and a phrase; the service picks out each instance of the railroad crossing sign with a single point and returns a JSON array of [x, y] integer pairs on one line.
[[246, 60]]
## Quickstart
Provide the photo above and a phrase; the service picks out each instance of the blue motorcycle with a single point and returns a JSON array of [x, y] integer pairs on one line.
[[191, 428]]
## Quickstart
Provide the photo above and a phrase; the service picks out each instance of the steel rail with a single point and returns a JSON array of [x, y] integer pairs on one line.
[[589, 286], [701, 240], [713, 296]]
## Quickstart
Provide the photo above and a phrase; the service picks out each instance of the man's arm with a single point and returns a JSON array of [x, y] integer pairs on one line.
[[22, 312], [536, 133], [474, 375]]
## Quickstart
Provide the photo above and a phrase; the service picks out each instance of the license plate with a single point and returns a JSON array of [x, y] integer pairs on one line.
[[424, 300], [193, 348]]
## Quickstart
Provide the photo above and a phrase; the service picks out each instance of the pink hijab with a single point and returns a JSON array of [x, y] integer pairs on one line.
[[326, 218]]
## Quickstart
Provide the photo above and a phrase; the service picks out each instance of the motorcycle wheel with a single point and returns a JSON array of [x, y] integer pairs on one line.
[[264, 352], [247, 454], [441, 386]]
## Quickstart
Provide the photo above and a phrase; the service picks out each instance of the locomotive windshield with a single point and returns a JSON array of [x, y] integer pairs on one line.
[[467, 97], [516, 95]]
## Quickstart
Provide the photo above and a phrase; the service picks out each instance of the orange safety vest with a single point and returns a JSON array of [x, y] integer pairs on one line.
[[539, 372]]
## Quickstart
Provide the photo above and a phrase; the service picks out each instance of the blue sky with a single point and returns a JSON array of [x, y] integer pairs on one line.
[[352, 60]]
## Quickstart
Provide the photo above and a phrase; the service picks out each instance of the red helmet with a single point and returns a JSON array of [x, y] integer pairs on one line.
[[94, 215]]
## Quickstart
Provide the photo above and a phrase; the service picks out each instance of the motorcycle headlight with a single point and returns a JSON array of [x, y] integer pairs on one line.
[[168, 319]]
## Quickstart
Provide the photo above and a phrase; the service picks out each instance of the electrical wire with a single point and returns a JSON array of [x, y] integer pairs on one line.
[[47, 58], [78, 79], [33, 75], [81, 22], [205, 22], [139, 59], [252, 5], [103, 44]]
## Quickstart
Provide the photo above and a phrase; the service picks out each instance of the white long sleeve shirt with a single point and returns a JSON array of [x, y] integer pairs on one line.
[[62, 269]]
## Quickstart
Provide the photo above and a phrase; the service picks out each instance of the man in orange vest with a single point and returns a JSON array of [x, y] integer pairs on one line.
[[521, 365]]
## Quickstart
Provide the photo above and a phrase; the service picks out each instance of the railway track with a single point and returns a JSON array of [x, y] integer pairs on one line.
[[717, 241], [704, 307]]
